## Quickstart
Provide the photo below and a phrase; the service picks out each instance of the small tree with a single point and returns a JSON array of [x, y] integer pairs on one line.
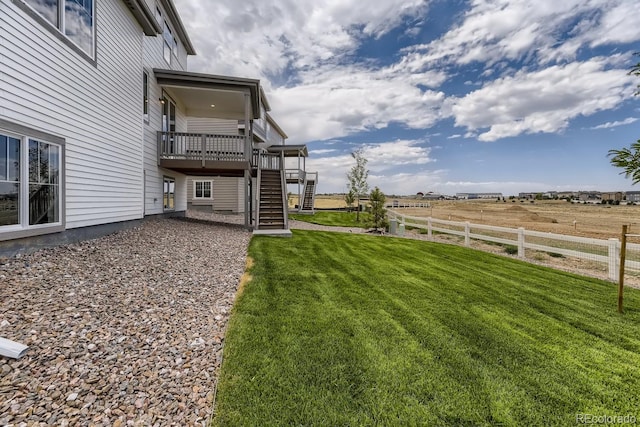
[[378, 212], [635, 71], [349, 199], [357, 177], [629, 160]]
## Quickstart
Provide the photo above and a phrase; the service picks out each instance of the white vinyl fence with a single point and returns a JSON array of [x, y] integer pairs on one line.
[[527, 243]]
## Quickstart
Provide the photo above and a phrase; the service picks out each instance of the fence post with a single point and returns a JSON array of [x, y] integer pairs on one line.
[[623, 252], [613, 259], [466, 234], [429, 231], [520, 242]]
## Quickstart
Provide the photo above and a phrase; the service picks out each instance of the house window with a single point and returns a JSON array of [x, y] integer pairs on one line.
[[169, 194], [169, 42], [73, 18], [44, 183], [9, 180], [145, 96], [202, 189], [30, 184]]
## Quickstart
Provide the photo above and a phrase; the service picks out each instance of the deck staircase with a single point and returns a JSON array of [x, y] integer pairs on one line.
[[271, 214], [309, 196]]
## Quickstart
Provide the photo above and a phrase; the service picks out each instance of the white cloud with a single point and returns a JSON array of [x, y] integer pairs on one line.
[[541, 101], [305, 55], [382, 158], [616, 123], [549, 30], [323, 151], [455, 136], [338, 101], [255, 38]]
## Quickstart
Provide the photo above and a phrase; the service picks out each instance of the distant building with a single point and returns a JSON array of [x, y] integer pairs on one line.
[[615, 196], [633, 196], [567, 194], [420, 195], [471, 196], [527, 195], [589, 196], [433, 196]]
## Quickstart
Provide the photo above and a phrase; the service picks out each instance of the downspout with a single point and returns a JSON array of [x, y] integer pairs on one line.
[[12, 349]]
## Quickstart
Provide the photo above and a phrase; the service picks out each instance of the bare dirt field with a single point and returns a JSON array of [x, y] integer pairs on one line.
[[598, 221]]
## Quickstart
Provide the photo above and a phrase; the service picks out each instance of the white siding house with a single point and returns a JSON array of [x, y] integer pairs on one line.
[[77, 139], [101, 125]]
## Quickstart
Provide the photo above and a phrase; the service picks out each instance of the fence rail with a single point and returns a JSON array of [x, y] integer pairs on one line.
[[399, 204], [600, 251]]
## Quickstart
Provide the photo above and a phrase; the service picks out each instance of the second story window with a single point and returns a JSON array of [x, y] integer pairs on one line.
[[169, 42], [73, 18]]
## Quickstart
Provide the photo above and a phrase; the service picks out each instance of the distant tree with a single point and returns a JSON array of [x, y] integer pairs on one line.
[[378, 212], [349, 199], [357, 177]]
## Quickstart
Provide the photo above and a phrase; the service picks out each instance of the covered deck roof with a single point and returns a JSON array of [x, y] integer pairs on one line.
[[299, 150], [208, 95]]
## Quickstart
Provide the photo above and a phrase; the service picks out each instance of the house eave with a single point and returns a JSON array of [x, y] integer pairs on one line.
[[144, 16], [172, 13], [275, 125], [290, 150]]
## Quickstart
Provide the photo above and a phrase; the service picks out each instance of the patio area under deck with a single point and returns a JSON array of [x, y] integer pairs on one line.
[[208, 96]]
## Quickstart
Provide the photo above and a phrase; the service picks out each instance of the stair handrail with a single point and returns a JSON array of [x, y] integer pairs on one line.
[[259, 189], [315, 187], [283, 185]]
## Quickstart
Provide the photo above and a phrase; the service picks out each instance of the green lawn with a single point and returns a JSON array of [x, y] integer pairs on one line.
[[345, 329], [334, 218]]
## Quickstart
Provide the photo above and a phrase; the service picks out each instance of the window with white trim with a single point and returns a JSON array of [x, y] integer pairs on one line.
[[203, 190], [75, 19], [170, 43], [30, 183], [145, 96]]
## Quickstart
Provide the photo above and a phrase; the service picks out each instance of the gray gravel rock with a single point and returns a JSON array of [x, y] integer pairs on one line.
[[122, 330]]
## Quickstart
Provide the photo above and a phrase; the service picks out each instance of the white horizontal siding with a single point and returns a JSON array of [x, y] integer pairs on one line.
[[228, 193], [47, 86], [212, 126], [153, 57]]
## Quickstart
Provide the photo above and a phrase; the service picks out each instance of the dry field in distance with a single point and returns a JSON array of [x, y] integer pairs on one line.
[[554, 216]]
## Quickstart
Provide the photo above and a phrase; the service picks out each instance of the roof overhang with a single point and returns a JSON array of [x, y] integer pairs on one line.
[[208, 95], [299, 150], [275, 126], [144, 16], [172, 13]]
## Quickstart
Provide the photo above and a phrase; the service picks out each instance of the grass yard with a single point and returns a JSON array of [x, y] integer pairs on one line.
[[346, 329], [334, 218]]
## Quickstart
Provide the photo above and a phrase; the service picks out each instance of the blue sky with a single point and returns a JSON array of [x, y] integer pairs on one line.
[[443, 95]]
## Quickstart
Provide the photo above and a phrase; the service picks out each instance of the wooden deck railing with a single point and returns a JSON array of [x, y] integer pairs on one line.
[[264, 160], [198, 146]]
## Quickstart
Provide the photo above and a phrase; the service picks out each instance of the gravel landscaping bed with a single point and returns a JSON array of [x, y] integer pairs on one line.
[[122, 330]]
